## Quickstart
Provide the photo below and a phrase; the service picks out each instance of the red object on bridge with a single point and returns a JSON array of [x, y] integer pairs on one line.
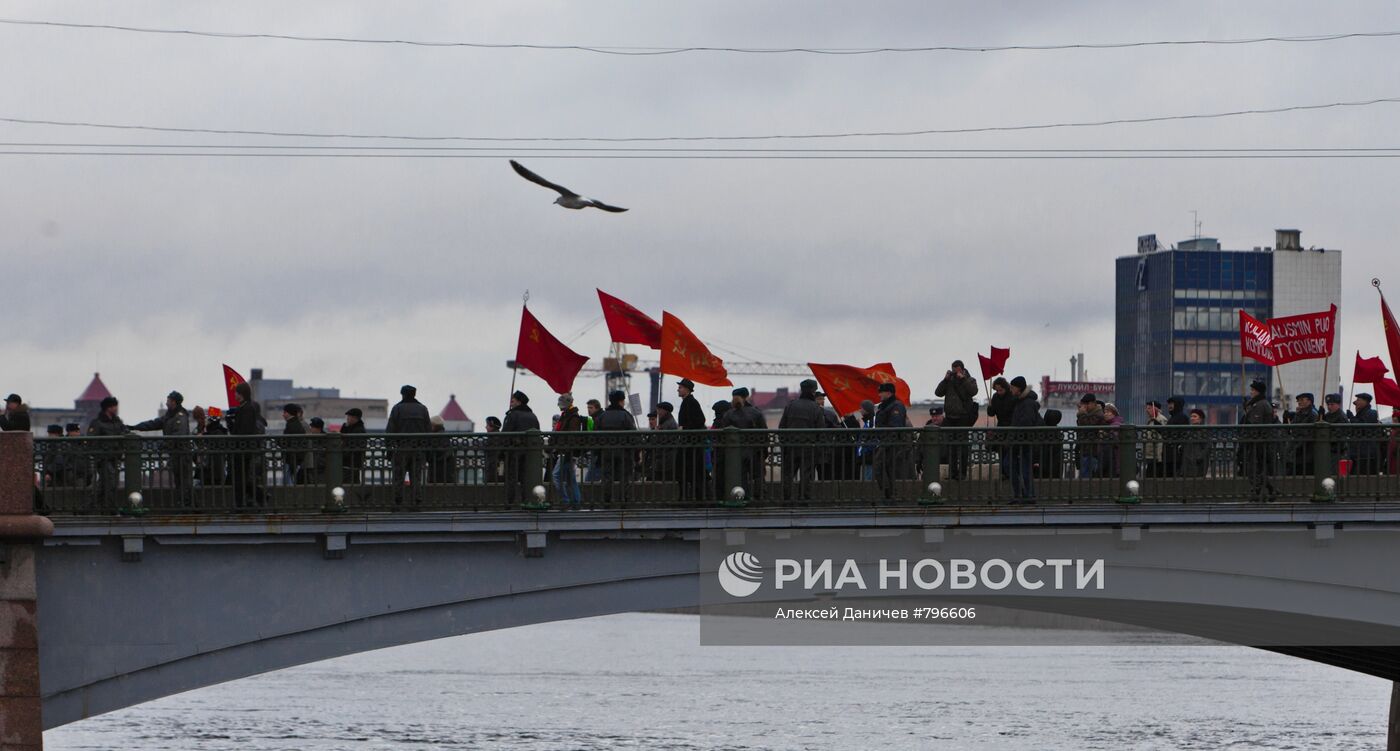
[[1387, 392], [994, 365], [627, 325], [1368, 369], [231, 381], [1278, 341], [1392, 332], [684, 355], [847, 385], [545, 356]]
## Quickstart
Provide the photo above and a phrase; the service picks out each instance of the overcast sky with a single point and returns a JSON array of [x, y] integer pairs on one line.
[[368, 273]]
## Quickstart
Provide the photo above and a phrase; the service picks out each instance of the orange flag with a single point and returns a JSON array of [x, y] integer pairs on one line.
[[684, 355], [847, 385], [231, 381]]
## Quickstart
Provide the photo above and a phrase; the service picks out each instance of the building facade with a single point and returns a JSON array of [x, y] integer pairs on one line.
[[1177, 321]]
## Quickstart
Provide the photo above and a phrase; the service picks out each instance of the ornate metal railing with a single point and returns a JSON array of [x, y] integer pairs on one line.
[[696, 469]]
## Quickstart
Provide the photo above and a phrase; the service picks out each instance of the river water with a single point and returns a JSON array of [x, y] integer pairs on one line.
[[642, 681]]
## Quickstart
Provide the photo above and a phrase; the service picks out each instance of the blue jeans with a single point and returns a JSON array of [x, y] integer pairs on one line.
[[1088, 467], [565, 481]]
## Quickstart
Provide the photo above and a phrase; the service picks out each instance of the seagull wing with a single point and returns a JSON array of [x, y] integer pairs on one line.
[[600, 205], [536, 179]]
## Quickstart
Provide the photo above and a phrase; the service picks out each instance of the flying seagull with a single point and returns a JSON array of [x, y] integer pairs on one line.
[[567, 198]]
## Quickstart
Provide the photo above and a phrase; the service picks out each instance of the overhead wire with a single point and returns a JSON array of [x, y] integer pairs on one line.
[[762, 137], [637, 51]]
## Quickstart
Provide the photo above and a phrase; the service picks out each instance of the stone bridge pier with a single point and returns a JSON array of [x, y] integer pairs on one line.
[[21, 721]]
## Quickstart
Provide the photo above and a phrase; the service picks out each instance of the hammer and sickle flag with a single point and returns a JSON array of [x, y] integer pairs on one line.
[[231, 381], [684, 355], [540, 353], [627, 325], [847, 385]]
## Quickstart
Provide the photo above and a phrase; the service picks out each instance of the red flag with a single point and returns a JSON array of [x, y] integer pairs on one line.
[[627, 325], [1369, 369], [847, 385], [1255, 339], [1306, 336], [231, 381], [1392, 332], [684, 355], [540, 353], [994, 365], [1387, 392]]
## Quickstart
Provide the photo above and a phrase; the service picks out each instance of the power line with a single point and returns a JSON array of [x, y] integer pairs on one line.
[[655, 51], [712, 157], [548, 150], [768, 137]]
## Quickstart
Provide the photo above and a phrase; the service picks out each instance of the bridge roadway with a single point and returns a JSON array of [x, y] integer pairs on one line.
[[135, 608]]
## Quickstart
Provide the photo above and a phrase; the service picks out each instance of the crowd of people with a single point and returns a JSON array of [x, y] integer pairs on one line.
[[815, 443]]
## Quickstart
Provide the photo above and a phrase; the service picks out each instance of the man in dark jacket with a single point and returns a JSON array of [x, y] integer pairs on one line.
[[354, 445], [175, 422], [247, 420], [409, 417], [1090, 444], [743, 415], [108, 424], [1305, 414], [1333, 414], [1175, 442], [892, 449], [959, 391], [565, 475], [16, 416], [1366, 451], [293, 450], [1025, 414], [691, 465], [617, 460], [999, 408], [519, 418], [1257, 449], [801, 451]]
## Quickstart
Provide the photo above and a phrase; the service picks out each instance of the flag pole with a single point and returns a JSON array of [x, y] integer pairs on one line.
[[1282, 389], [1326, 362], [515, 364]]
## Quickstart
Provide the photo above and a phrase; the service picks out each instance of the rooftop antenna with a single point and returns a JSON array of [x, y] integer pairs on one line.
[[1196, 224]]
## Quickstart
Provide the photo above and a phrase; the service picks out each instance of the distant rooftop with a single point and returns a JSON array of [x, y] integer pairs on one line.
[[453, 412], [96, 391]]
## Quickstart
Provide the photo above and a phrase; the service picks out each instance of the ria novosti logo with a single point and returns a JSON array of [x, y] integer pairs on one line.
[[740, 574]]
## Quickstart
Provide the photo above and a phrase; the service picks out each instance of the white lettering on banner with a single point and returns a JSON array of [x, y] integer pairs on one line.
[[785, 570], [1021, 579], [810, 614], [920, 581], [902, 574], [995, 574], [962, 576], [1005, 579], [1094, 573], [850, 574]]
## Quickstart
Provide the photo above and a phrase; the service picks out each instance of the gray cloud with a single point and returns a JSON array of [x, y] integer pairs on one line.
[[914, 261]]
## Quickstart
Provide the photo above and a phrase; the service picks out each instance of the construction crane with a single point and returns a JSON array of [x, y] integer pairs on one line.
[[619, 366]]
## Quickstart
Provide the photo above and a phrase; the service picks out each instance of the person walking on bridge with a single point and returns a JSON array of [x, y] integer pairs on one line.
[[16, 415], [519, 418], [409, 417], [108, 424], [891, 454], [744, 416], [175, 422], [800, 455], [617, 460], [1025, 414], [959, 392], [1257, 451], [565, 475], [691, 469]]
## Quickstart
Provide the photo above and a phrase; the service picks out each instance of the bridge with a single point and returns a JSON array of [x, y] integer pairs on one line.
[[159, 565]]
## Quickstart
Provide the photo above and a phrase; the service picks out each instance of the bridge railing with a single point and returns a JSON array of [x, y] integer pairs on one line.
[[699, 469]]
